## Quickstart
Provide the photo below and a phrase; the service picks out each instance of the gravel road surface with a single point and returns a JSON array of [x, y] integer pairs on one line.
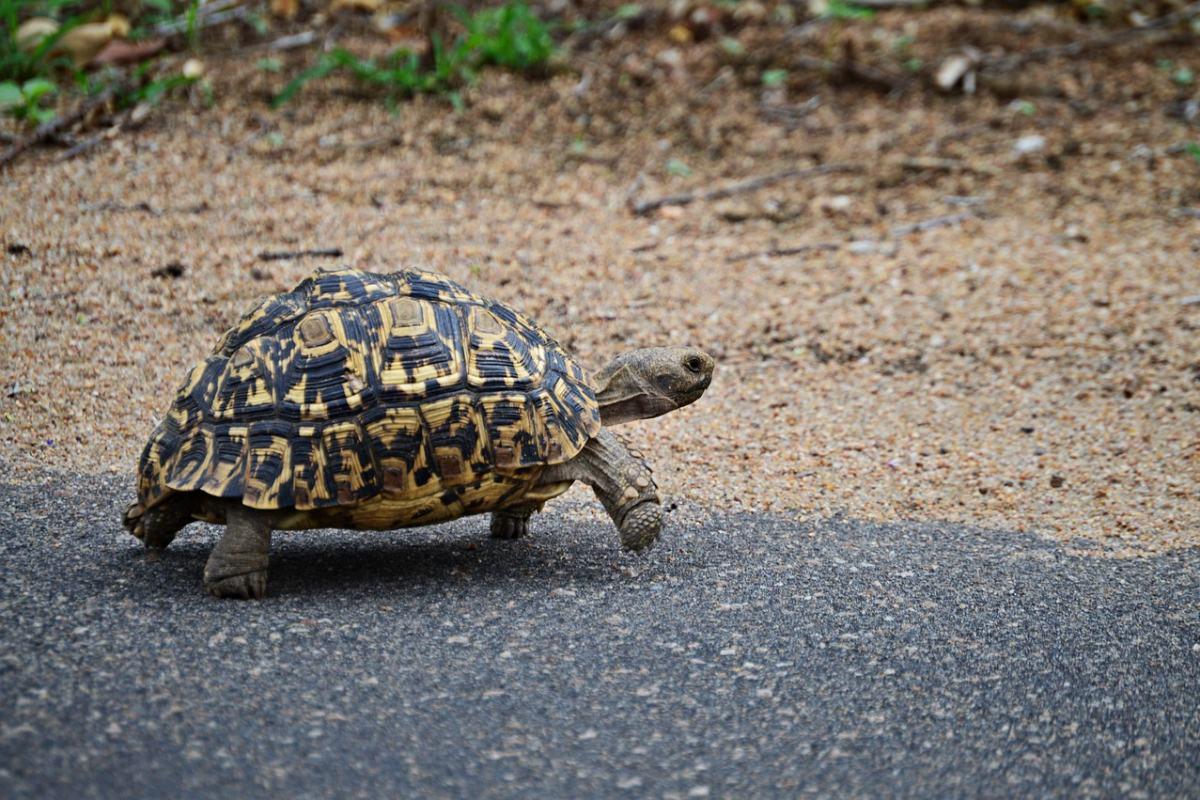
[[744, 657]]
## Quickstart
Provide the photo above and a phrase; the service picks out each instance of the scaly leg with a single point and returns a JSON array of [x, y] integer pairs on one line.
[[623, 484], [157, 526], [511, 523], [238, 564]]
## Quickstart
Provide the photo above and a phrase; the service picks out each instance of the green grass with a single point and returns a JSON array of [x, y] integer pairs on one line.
[[838, 9], [511, 36], [29, 78], [19, 66]]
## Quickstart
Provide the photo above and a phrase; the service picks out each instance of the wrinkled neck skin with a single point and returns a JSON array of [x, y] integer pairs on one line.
[[650, 382]]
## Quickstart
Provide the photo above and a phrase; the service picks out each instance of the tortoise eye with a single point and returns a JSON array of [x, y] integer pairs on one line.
[[693, 364]]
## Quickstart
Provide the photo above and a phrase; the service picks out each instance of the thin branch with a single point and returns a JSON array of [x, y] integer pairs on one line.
[[847, 70], [48, 131], [883, 5], [930, 224], [302, 39], [777, 252], [1003, 63], [207, 15], [83, 146], [820, 247], [281, 255], [643, 207]]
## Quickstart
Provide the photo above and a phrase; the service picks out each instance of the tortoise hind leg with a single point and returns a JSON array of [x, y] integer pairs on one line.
[[238, 564], [511, 523], [157, 526]]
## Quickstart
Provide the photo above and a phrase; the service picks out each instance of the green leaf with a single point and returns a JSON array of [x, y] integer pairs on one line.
[[1024, 107], [1183, 76], [269, 64], [774, 77], [1193, 150], [35, 89], [10, 95], [628, 11], [678, 168]]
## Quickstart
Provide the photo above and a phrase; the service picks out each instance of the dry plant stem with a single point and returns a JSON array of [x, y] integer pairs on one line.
[[52, 129], [207, 15], [886, 4], [281, 255], [642, 207], [302, 39], [83, 147], [848, 70], [816, 247], [778, 252], [1005, 63], [930, 224]]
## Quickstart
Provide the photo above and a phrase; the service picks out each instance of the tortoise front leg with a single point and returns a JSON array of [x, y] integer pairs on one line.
[[511, 523], [623, 484], [238, 564]]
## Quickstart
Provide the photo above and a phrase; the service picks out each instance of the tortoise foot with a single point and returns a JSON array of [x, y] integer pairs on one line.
[[247, 586], [510, 524], [641, 526]]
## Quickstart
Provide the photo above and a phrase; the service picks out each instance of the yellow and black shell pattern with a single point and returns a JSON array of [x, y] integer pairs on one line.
[[390, 400]]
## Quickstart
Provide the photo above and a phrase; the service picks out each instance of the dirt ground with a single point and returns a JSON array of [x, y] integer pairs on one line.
[[1032, 364]]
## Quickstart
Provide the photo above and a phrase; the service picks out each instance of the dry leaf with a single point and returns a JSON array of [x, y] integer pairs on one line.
[[359, 6], [286, 9], [120, 51], [84, 43], [33, 30]]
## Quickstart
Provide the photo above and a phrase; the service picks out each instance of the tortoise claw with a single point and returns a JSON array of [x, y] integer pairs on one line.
[[249, 586], [508, 527]]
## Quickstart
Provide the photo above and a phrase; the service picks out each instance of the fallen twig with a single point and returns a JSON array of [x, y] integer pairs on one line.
[[110, 205], [790, 115], [302, 39], [849, 70], [930, 224], [858, 246], [48, 131], [934, 164], [82, 147], [207, 15], [281, 255], [1003, 63], [642, 207], [776, 252], [881, 5]]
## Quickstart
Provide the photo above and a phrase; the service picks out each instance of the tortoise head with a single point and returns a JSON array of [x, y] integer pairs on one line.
[[654, 380]]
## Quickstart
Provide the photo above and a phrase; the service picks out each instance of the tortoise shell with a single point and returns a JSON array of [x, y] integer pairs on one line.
[[404, 398]]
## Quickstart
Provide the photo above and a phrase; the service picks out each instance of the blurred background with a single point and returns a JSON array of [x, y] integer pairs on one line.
[[945, 252]]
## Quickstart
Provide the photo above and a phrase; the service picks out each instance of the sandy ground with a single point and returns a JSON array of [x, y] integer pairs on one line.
[[1033, 365]]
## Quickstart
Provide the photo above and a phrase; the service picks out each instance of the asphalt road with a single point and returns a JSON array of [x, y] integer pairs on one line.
[[746, 657]]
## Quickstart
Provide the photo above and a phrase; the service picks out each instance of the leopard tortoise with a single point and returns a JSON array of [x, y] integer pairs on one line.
[[369, 401]]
